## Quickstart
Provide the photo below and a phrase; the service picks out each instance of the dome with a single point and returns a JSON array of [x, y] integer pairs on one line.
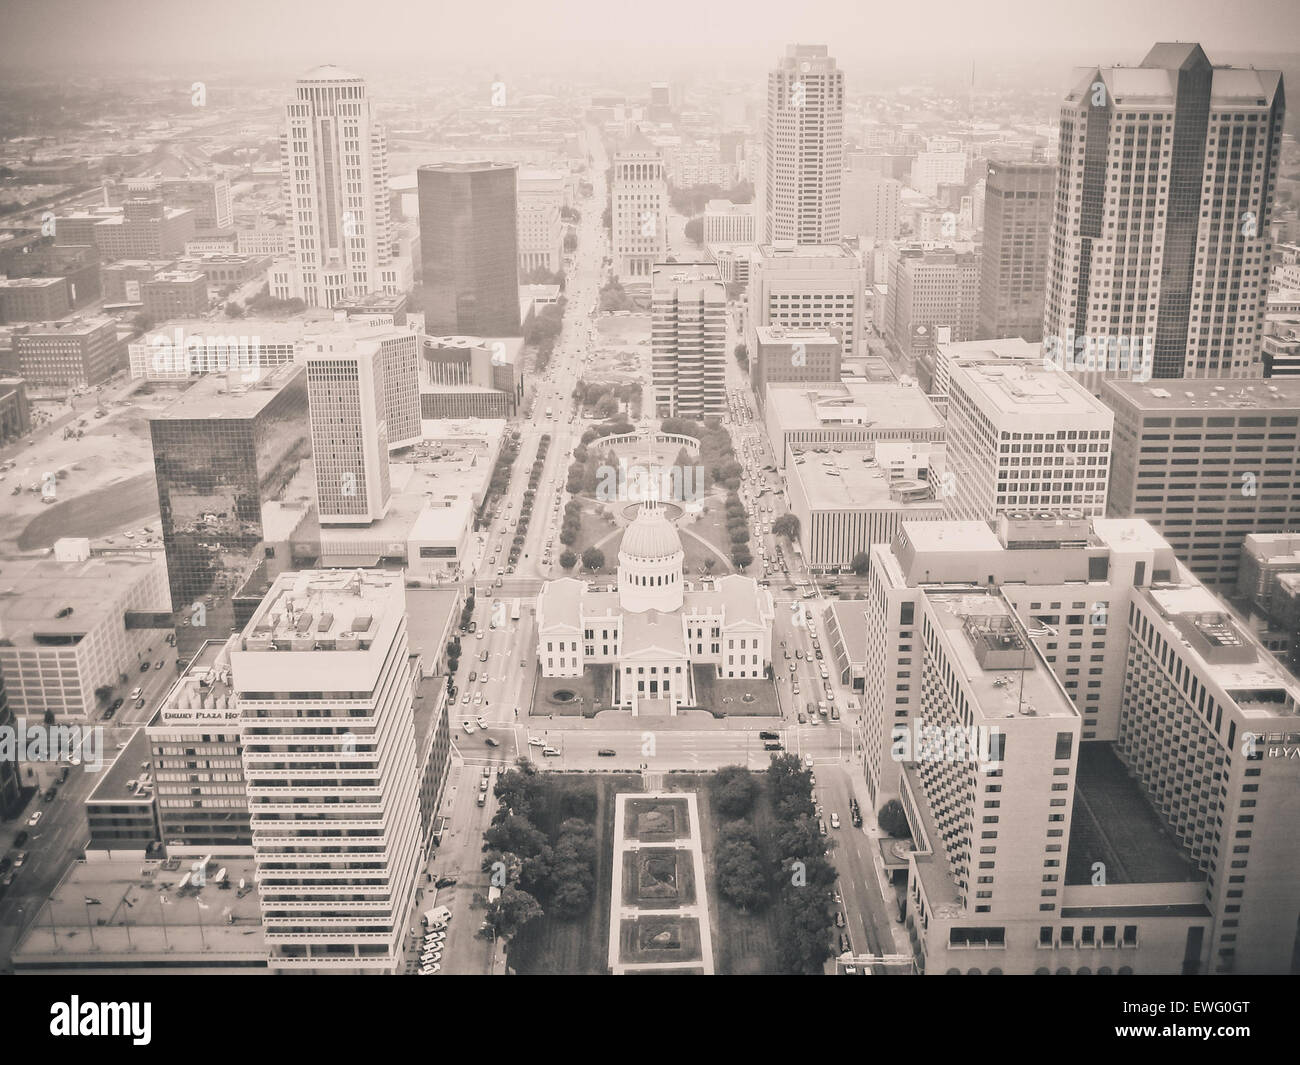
[[651, 535]]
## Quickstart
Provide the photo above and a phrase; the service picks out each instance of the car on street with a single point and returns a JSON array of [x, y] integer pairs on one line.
[[550, 752], [469, 728], [481, 723], [135, 693], [473, 676], [465, 700], [821, 827], [442, 882], [807, 760], [35, 819], [533, 741], [491, 742], [144, 667], [846, 945], [835, 820], [607, 752], [19, 858]]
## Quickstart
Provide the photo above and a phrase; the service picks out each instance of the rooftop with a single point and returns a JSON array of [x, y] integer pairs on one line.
[[34, 592], [129, 777], [202, 693], [1199, 394], [216, 396], [1017, 389], [324, 611], [135, 914], [855, 480], [879, 404], [1113, 823], [982, 631]]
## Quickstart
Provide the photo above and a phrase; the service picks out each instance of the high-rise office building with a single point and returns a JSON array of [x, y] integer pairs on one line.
[[638, 209], [334, 159], [931, 287], [470, 247], [1167, 174], [688, 340], [803, 149], [1068, 816], [1024, 438], [323, 679], [541, 231], [871, 203], [349, 436], [1206, 463], [222, 453], [1018, 202], [807, 287], [782, 356], [943, 164]]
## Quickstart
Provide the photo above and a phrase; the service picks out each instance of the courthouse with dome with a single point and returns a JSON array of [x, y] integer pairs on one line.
[[654, 628]]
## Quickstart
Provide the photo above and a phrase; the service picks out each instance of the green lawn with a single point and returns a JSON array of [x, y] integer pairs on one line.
[[553, 947], [743, 943]]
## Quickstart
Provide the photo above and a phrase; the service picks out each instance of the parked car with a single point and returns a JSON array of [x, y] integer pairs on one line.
[[607, 752], [533, 741], [442, 882], [839, 918], [491, 742], [469, 728], [549, 752], [20, 838], [835, 820]]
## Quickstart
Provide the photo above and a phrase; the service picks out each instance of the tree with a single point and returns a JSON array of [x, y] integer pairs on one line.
[[786, 525], [514, 833], [739, 866], [893, 820], [734, 789], [513, 909], [740, 556], [593, 559], [568, 559], [709, 563], [742, 356], [103, 692], [234, 310], [694, 231], [860, 563], [570, 241]]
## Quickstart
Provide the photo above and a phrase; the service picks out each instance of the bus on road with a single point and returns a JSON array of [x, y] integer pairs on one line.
[[514, 610]]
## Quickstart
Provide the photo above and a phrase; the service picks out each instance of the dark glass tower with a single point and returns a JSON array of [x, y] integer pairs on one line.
[[221, 453], [1018, 201], [471, 249]]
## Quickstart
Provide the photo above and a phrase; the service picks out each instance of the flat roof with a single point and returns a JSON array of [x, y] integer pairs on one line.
[[132, 762], [137, 915], [878, 404], [1201, 394], [1000, 693], [211, 397], [782, 334], [1114, 823], [33, 591], [203, 693], [951, 536], [1017, 389], [853, 480], [318, 610], [31, 282]]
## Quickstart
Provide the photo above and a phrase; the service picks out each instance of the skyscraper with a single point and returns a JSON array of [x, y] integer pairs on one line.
[[330, 768], [638, 209], [803, 148], [334, 159], [1018, 200], [349, 436], [688, 340], [1023, 438], [222, 453], [1161, 227], [470, 246]]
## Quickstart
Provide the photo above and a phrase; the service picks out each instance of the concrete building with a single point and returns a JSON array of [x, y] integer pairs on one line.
[[851, 412], [1021, 437], [729, 223], [785, 356], [34, 299], [121, 811], [803, 149], [1018, 204], [541, 231], [195, 744], [807, 287], [1280, 352], [871, 205], [848, 499], [653, 633], [1166, 271], [638, 209], [276, 243], [121, 280], [68, 628], [932, 169], [77, 353], [334, 161], [144, 229], [207, 197], [338, 694], [469, 240], [948, 354], [345, 393], [174, 294], [688, 341], [931, 287], [1207, 463], [1268, 591], [966, 624], [15, 410], [470, 377]]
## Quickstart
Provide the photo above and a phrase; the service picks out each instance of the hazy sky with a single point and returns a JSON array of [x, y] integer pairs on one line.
[[167, 35]]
